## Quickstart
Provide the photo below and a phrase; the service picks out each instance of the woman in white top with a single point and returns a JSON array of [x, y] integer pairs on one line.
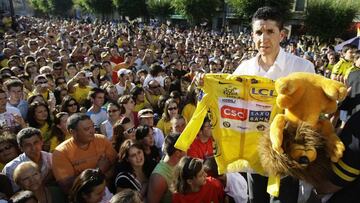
[[114, 114]]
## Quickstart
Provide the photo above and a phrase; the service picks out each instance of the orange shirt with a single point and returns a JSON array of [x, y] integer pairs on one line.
[[69, 160]]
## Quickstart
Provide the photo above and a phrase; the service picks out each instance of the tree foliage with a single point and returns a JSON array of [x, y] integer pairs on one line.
[[131, 8], [196, 10], [60, 7], [246, 8], [160, 8], [102, 7], [40, 5], [330, 18]]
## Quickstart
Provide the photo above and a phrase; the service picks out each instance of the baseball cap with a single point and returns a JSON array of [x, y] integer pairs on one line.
[[123, 71], [37, 78], [146, 113]]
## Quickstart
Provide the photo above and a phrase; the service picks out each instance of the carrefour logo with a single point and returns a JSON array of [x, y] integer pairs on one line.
[[234, 113]]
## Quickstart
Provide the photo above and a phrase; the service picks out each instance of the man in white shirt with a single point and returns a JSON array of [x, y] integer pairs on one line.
[[271, 62], [125, 84], [30, 142], [10, 117]]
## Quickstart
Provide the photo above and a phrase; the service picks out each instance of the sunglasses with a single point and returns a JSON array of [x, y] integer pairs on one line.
[[172, 108], [41, 82], [113, 111], [5, 148], [154, 87], [130, 130], [73, 104]]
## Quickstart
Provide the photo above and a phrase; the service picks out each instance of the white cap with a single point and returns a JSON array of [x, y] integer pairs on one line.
[[123, 71]]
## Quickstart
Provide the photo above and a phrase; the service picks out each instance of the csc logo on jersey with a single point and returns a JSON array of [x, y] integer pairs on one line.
[[234, 113], [262, 93]]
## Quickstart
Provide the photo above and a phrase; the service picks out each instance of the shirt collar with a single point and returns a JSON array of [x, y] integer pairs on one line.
[[280, 60]]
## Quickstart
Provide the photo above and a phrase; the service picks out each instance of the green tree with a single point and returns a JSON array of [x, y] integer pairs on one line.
[[160, 8], [328, 19], [246, 8], [41, 6], [102, 7], [60, 7], [196, 10], [131, 8]]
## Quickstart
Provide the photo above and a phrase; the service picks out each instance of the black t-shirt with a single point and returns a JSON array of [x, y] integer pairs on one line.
[[346, 172]]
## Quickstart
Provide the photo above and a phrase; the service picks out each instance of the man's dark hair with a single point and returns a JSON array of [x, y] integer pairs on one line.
[[155, 69], [169, 143], [13, 83], [269, 13], [74, 120], [357, 55], [57, 64], [27, 133], [347, 47], [94, 91]]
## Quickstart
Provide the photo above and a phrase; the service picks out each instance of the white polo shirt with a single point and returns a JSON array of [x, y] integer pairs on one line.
[[284, 64]]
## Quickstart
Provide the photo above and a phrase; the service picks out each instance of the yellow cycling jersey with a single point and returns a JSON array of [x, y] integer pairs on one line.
[[240, 109]]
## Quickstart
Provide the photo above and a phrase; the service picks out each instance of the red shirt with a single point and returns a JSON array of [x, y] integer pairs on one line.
[[211, 192], [116, 59], [201, 150]]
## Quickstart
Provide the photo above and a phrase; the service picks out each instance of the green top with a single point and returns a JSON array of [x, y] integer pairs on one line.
[[166, 171]]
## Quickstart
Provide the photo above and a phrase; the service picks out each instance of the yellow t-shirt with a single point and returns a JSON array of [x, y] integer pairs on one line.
[[142, 105], [188, 111], [340, 68], [45, 94], [164, 126], [80, 94], [45, 131], [54, 142]]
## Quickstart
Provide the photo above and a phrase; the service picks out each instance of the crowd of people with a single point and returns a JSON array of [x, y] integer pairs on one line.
[[90, 112]]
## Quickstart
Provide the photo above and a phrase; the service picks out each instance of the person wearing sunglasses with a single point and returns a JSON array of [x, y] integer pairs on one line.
[[114, 114], [170, 111], [123, 129], [69, 105]]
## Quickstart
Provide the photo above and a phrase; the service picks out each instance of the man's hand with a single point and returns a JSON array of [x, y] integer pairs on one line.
[[199, 79], [19, 120]]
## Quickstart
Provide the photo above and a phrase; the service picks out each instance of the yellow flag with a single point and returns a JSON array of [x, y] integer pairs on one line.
[[358, 31]]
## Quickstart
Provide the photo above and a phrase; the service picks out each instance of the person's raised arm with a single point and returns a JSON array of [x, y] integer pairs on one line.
[[72, 82]]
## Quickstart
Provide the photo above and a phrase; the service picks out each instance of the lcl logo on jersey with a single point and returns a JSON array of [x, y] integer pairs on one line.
[[234, 113], [262, 93]]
